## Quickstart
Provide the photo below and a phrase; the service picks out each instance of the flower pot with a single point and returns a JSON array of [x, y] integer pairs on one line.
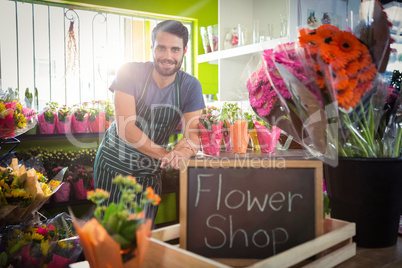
[[98, 125], [63, 193], [79, 126], [63, 128], [367, 191], [239, 136], [211, 139], [80, 191]]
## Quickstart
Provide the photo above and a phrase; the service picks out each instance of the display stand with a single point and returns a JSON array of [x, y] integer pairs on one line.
[[328, 250], [14, 142]]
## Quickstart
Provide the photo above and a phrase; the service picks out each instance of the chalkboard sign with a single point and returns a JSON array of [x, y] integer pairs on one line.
[[228, 210]]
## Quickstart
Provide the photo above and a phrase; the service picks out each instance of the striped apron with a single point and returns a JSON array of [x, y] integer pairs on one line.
[[115, 156]]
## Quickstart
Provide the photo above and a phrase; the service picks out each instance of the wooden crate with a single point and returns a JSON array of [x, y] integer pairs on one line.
[[328, 250]]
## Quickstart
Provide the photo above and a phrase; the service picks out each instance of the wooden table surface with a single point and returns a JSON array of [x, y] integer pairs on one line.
[[389, 257]]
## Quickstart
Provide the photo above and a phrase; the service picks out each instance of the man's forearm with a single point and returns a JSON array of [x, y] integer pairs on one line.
[[131, 134]]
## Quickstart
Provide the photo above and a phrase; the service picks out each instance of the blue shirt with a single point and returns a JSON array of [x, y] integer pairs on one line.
[[131, 79]]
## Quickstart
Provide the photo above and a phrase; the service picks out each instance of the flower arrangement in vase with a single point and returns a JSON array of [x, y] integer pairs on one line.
[[121, 230]]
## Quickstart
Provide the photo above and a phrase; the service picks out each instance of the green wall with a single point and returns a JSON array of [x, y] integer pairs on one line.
[[204, 11]]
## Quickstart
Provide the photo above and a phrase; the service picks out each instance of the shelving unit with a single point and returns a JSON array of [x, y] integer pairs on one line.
[[232, 63], [236, 64]]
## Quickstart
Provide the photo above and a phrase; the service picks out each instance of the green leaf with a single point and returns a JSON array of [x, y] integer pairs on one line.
[[112, 209]]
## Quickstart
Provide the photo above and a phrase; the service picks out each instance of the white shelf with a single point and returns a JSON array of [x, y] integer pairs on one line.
[[213, 57]]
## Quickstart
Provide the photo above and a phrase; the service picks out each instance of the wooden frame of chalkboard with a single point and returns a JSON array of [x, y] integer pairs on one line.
[[249, 208]]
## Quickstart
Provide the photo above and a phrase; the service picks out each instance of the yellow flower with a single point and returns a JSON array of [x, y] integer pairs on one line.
[[45, 188], [37, 236], [44, 246], [62, 244], [54, 184]]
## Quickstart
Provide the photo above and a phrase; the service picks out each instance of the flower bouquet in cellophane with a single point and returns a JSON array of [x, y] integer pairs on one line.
[[23, 192], [51, 243], [14, 118], [118, 235], [330, 88]]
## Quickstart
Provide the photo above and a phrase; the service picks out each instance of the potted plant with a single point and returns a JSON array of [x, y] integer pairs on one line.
[[210, 133], [63, 120], [96, 119], [109, 113], [47, 118], [119, 229], [80, 118], [28, 98]]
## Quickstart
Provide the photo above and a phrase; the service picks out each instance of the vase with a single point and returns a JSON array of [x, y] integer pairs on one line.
[[63, 193], [239, 136], [367, 191]]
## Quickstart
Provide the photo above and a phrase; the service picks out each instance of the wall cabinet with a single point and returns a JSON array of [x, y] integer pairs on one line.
[[233, 62]]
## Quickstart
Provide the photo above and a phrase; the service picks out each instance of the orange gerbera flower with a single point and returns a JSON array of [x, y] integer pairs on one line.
[[326, 30], [345, 98], [353, 68], [347, 44], [365, 58], [310, 42], [368, 74]]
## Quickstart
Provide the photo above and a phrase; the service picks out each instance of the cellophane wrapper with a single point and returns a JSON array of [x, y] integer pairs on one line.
[[211, 139], [14, 212], [43, 243]]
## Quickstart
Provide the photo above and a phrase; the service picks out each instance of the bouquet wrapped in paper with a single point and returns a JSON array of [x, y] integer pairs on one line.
[[329, 88], [118, 235], [49, 243], [14, 118], [23, 192]]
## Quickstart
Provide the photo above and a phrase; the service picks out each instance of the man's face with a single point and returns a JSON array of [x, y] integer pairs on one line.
[[168, 53]]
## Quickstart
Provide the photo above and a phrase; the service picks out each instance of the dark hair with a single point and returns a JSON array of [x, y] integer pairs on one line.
[[173, 27]]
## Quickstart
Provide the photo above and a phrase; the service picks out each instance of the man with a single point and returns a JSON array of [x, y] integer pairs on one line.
[[150, 99]]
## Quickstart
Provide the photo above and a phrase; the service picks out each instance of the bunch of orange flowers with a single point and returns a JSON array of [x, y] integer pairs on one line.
[[340, 60]]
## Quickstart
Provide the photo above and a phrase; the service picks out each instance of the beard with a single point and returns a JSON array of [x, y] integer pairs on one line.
[[167, 72]]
